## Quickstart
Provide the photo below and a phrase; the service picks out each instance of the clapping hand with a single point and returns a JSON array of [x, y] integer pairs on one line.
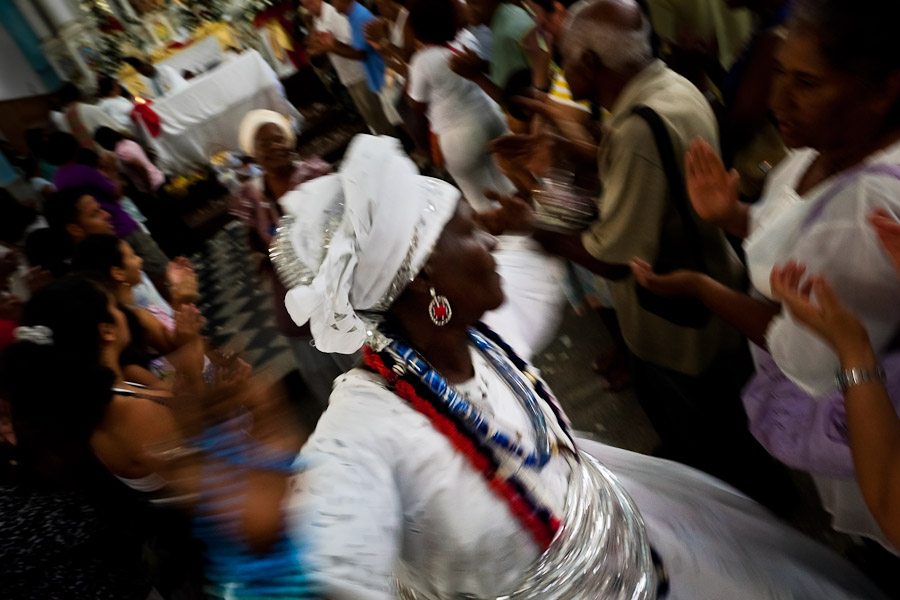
[[533, 152], [182, 281], [314, 44], [556, 112], [322, 42], [190, 351], [712, 189], [327, 40], [678, 283], [537, 44], [375, 31], [813, 302], [513, 214]]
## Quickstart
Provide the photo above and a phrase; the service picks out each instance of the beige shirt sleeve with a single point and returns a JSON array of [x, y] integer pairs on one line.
[[634, 198]]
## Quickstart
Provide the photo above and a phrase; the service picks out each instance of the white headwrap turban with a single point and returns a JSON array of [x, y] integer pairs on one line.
[[354, 240], [254, 120]]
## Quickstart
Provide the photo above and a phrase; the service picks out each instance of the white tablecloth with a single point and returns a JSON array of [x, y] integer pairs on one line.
[[198, 57], [203, 118]]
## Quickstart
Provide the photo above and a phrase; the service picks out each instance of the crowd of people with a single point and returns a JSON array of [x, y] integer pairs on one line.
[[734, 217]]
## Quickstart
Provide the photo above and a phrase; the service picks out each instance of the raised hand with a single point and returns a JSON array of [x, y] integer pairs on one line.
[[188, 358], [182, 281], [324, 41], [375, 31], [514, 214], [536, 45], [812, 302], [679, 283], [533, 152], [712, 189]]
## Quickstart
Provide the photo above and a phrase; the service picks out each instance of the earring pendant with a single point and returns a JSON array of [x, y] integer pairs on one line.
[[439, 309]]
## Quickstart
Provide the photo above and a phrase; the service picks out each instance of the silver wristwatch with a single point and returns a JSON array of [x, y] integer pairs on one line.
[[848, 378]]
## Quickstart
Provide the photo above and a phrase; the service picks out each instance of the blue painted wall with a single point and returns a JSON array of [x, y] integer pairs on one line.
[[28, 42]]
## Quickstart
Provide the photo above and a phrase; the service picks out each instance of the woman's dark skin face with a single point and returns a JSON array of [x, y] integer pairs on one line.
[[842, 115], [271, 148], [819, 106], [462, 269]]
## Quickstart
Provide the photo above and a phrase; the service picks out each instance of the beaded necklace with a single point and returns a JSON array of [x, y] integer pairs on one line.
[[414, 380], [465, 411]]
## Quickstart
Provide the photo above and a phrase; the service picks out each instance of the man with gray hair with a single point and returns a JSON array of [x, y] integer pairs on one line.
[[689, 366]]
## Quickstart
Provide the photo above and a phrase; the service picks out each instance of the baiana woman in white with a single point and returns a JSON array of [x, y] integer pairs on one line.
[[444, 468]]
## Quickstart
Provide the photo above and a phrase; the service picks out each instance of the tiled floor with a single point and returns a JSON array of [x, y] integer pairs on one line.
[[238, 308]]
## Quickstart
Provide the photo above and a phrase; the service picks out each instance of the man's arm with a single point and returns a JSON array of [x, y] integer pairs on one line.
[[346, 51], [571, 247], [516, 214], [330, 44], [474, 68]]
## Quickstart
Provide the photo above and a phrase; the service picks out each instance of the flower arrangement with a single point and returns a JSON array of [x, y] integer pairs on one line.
[[179, 187]]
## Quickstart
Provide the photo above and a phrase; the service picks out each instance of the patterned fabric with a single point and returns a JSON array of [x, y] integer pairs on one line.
[[69, 546], [560, 91]]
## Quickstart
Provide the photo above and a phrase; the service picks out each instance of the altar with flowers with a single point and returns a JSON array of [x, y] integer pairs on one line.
[[201, 120]]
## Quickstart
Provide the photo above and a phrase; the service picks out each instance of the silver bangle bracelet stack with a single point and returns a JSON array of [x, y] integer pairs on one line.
[[848, 378]]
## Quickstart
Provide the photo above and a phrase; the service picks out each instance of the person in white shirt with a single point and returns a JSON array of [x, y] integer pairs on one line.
[[159, 80], [390, 35], [327, 20], [461, 115], [82, 119], [113, 103]]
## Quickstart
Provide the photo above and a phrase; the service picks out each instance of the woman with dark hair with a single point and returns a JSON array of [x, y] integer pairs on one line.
[[67, 525], [836, 97], [113, 263], [69, 529]]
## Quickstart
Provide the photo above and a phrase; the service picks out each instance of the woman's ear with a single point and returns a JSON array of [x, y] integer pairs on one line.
[[118, 274], [421, 284]]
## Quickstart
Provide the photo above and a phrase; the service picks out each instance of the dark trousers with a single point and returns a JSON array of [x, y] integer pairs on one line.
[[701, 422]]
